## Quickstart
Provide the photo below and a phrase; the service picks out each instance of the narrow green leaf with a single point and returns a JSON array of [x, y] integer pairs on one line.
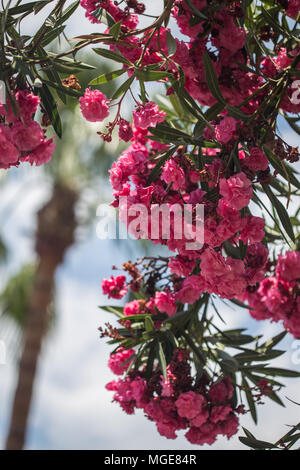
[[281, 211], [256, 444], [27, 7], [277, 371], [51, 108], [162, 359], [171, 43], [67, 13], [115, 30], [107, 77], [118, 311], [123, 88], [152, 75], [150, 360], [237, 113], [111, 55], [278, 165], [211, 79], [103, 16], [250, 400]]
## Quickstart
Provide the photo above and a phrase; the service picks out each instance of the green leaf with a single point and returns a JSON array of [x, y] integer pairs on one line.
[[115, 30], [111, 55], [250, 400], [150, 360], [162, 359], [149, 325], [52, 34], [237, 113], [27, 7], [240, 304], [152, 75], [211, 79], [171, 44], [281, 211], [256, 444], [228, 361], [124, 87], [170, 134], [51, 109], [273, 341], [118, 311], [102, 15], [107, 77], [67, 13], [278, 165], [277, 371], [292, 123]]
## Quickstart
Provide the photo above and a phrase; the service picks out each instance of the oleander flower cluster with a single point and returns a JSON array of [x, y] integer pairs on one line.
[[277, 297], [22, 139], [203, 409], [219, 149]]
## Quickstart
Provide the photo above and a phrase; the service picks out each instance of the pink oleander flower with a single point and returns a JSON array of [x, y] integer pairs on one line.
[[129, 21], [254, 229], [125, 130], [119, 361], [206, 434], [181, 266], [115, 287], [257, 160], [236, 190], [222, 391], [8, 152], [132, 308], [201, 418], [28, 104], [293, 8], [172, 173], [94, 105], [190, 404], [192, 287], [288, 266], [27, 136], [117, 177], [148, 115], [230, 426], [220, 413], [165, 302], [225, 130], [232, 37], [41, 154], [212, 264]]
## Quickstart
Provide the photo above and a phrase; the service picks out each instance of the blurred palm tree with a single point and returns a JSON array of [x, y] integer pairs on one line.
[[80, 161]]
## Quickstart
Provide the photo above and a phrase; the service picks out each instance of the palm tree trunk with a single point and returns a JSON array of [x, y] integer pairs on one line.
[[55, 234]]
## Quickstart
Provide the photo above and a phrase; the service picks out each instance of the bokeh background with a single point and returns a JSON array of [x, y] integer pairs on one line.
[[71, 408]]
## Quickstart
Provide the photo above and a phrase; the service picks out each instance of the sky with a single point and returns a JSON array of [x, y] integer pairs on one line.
[[71, 408]]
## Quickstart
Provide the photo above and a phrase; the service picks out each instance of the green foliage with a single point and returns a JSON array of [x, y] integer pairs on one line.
[[14, 300]]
